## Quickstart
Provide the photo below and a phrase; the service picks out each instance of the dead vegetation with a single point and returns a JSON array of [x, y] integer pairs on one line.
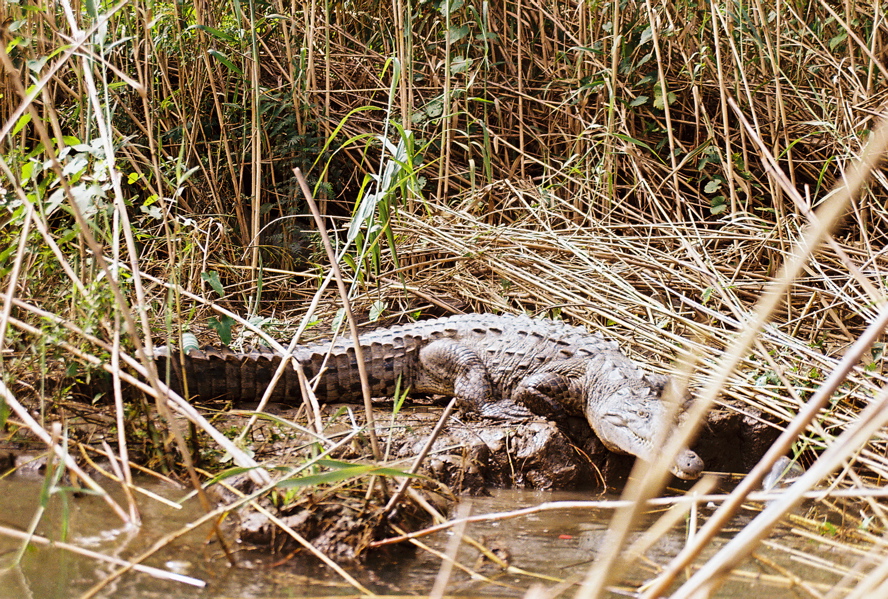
[[699, 181]]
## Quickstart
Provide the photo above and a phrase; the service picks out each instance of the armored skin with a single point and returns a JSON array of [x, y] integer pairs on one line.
[[499, 366]]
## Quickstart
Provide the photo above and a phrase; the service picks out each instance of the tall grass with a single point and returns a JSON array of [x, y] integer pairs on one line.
[[668, 172]]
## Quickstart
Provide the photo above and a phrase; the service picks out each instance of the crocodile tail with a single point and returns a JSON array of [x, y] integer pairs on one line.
[[211, 373]]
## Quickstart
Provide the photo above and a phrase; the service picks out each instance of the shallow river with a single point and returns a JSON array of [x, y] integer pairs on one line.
[[556, 544]]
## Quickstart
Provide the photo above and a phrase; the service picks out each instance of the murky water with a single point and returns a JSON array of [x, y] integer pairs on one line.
[[556, 544]]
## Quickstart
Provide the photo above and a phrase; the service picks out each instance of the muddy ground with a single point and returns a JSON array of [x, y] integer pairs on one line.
[[468, 457], [471, 454]]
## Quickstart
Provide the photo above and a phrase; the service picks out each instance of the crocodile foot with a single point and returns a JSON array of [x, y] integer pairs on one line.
[[505, 410]]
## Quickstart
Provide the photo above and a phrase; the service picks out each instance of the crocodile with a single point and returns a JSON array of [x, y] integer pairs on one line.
[[499, 366]]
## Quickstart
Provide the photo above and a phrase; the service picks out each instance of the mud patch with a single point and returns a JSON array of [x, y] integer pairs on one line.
[[339, 522], [469, 458]]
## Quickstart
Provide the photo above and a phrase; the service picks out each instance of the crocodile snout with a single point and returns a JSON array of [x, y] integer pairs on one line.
[[688, 465]]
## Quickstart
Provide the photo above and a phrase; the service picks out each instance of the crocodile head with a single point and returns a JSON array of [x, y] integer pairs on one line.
[[630, 418]]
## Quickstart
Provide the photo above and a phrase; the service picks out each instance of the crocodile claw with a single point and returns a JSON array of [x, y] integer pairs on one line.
[[505, 410]]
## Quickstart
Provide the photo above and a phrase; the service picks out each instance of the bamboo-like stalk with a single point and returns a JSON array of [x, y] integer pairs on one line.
[[664, 90], [343, 294]]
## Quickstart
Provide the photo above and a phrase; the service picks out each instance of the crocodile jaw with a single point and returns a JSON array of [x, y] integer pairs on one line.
[[631, 420]]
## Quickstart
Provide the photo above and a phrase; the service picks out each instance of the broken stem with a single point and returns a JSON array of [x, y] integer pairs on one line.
[[346, 305]]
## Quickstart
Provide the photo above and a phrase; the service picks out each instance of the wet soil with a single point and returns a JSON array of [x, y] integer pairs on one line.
[[469, 457], [541, 548]]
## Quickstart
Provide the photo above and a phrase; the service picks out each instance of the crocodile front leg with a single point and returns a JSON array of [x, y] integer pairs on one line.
[[451, 368], [554, 390], [627, 415]]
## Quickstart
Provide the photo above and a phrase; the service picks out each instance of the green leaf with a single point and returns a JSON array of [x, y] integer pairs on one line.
[[153, 211], [216, 33], [76, 165], [350, 261], [182, 177], [224, 60], [10, 249], [838, 40], [38, 150], [487, 36], [14, 42], [399, 396], [377, 309], [639, 101], [314, 480], [338, 319], [450, 6], [228, 473], [658, 97], [27, 171], [222, 326], [342, 471], [21, 123], [330, 463], [637, 142], [457, 32], [133, 177], [434, 108], [460, 65], [37, 64], [212, 277], [712, 186]]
